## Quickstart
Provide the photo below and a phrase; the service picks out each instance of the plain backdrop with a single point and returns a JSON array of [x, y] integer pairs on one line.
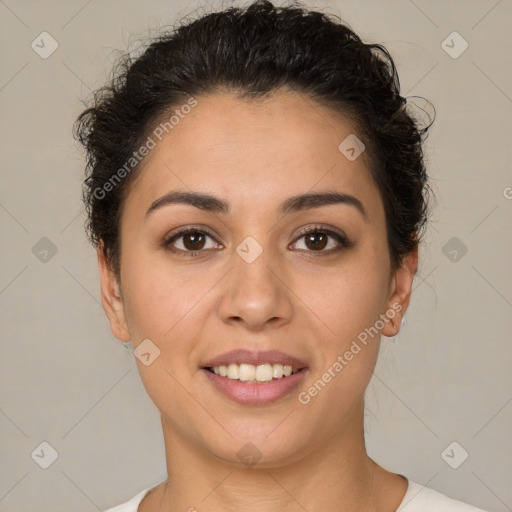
[[66, 381]]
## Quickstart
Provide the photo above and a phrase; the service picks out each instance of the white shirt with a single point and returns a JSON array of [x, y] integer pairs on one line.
[[417, 499]]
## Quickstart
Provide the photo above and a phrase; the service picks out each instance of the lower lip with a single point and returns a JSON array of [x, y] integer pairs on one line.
[[255, 393]]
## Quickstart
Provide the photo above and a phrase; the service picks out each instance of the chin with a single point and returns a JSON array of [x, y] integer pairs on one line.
[[261, 451]]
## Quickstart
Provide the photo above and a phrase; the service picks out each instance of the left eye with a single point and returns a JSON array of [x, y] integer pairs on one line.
[[316, 240]]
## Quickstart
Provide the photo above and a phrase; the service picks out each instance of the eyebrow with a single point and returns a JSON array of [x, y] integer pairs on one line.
[[293, 204]]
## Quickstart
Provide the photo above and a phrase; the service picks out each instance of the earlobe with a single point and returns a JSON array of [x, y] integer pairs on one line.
[[111, 298], [400, 294]]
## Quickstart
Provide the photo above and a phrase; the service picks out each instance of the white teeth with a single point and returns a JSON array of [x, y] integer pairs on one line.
[[251, 373], [264, 372], [277, 371], [246, 372], [233, 371]]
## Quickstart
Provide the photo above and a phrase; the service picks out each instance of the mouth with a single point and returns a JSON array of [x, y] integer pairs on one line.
[[255, 378], [254, 374]]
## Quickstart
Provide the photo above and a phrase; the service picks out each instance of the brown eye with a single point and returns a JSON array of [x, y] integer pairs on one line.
[[188, 241], [193, 241], [317, 239]]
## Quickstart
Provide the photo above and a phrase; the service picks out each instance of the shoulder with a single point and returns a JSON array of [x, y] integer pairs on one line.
[[422, 499], [130, 506]]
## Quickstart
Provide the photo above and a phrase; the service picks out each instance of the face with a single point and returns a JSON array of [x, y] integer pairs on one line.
[[247, 277]]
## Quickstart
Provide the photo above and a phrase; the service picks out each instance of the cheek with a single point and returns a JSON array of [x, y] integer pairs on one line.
[[162, 304], [160, 296], [351, 297], [164, 295]]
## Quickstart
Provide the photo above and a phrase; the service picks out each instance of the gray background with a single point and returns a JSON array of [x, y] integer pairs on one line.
[[66, 380]]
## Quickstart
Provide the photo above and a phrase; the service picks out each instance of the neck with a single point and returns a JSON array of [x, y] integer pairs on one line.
[[336, 474]]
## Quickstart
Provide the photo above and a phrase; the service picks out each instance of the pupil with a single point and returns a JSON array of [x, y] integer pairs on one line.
[[195, 241], [312, 237]]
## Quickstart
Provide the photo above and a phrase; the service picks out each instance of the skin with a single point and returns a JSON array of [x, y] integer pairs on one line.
[[255, 155]]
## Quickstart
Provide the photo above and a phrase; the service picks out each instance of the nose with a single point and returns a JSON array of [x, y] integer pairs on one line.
[[255, 294]]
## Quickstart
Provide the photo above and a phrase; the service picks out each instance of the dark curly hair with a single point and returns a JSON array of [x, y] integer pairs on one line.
[[252, 52]]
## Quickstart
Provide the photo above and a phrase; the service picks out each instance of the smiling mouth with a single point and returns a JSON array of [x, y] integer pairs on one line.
[[254, 374]]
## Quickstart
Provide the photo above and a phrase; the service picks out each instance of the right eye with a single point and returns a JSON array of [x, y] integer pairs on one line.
[[193, 241]]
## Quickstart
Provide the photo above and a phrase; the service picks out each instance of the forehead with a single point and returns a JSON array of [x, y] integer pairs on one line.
[[254, 152]]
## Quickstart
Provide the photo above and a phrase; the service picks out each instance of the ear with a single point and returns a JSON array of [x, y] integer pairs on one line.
[[400, 292], [111, 298]]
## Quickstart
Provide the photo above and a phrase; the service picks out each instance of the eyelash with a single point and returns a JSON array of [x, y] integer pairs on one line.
[[344, 242]]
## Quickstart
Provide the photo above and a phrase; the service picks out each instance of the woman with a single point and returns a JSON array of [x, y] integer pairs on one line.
[[256, 192]]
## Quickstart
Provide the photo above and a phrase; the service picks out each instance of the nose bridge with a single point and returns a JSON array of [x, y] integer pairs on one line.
[[254, 293]]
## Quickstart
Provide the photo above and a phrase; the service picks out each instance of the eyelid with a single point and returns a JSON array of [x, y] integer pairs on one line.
[[191, 227], [177, 233], [324, 229], [339, 235]]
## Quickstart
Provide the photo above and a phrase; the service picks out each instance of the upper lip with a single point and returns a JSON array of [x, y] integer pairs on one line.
[[255, 358]]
